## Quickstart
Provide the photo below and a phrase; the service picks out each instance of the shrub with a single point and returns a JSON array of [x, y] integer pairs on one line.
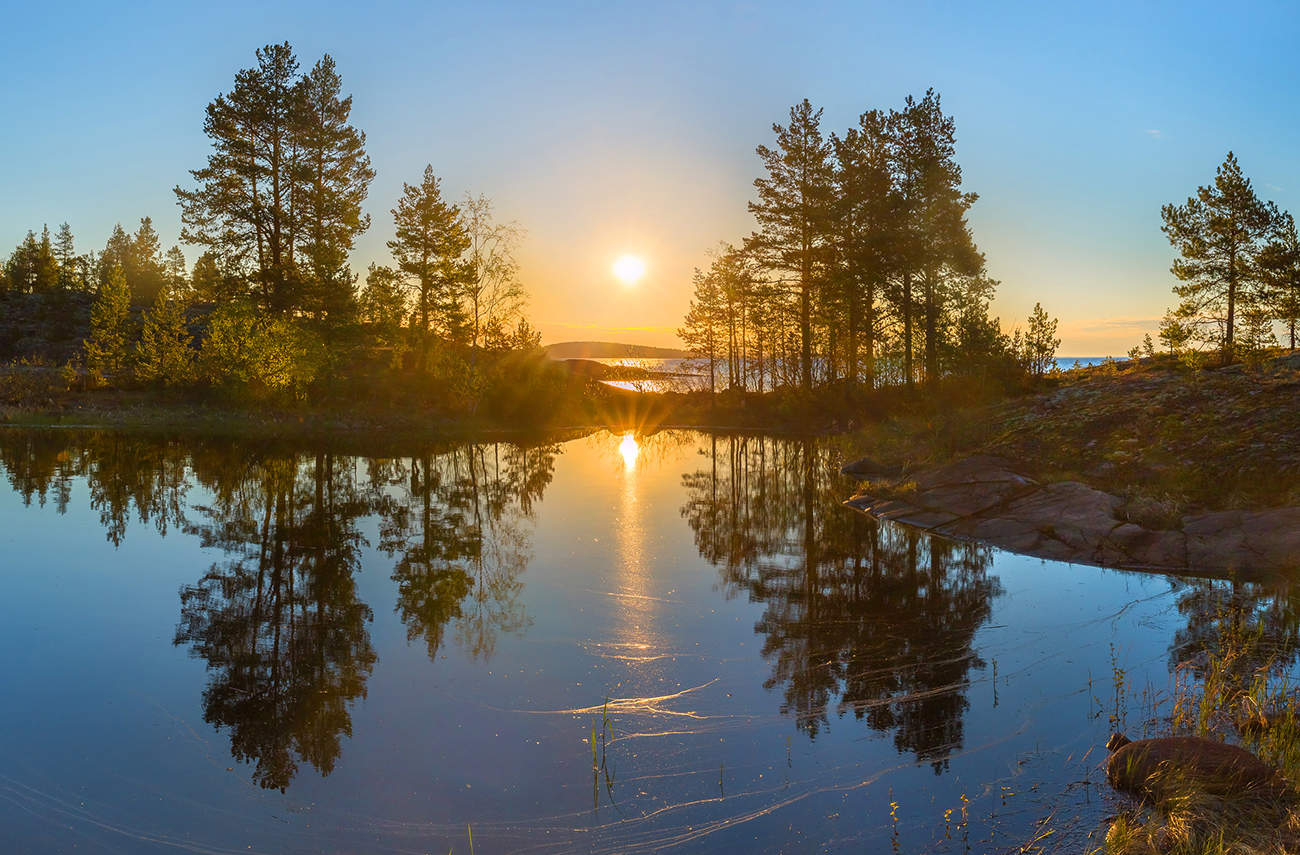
[[248, 352]]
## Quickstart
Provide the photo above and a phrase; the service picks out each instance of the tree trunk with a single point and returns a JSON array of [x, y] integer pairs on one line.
[[852, 353], [1232, 306], [869, 327], [907, 329], [805, 328], [931, 331]]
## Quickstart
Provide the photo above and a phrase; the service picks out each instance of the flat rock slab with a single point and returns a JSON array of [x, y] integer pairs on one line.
[[982, 498]]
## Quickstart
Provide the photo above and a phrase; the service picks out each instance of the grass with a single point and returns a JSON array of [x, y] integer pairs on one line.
[[1167, 440], [1232, 694]]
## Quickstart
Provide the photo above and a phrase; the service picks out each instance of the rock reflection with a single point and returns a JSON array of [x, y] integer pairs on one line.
[[869, 618]]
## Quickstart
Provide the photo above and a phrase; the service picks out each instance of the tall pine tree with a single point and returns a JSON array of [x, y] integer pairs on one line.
[[335, 174], [793, 211], [1218, 234], [430, 240]]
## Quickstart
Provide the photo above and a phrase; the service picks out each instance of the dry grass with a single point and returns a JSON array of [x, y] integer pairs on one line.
[[1230, 695]]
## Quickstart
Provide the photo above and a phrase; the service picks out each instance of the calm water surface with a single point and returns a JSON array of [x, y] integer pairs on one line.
[[223, 647]]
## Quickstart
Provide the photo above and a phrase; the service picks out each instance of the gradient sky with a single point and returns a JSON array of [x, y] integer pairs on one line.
[[606, 128]]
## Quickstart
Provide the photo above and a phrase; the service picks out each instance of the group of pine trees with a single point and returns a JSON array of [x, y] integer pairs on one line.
[[51, 264], [276, 211], [862, 270], [1238, 270]]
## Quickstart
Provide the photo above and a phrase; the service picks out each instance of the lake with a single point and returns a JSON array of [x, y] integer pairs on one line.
[[689, 375], [611, 643]]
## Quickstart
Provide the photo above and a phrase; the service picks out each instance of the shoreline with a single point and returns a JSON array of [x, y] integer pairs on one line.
[[983, 498]]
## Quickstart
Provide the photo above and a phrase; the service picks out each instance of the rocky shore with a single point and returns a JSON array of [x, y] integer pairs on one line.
[[984, 498]]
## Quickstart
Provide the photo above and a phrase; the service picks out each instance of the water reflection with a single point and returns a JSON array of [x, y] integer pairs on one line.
[[868, 619], [324, 579], [279, 623], [459, 524], [1259, 624]]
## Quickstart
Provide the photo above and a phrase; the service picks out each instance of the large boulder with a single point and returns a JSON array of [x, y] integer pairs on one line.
[[1160, 769]]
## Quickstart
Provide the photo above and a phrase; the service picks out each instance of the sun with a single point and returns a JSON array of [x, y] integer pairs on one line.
[[629, 269]]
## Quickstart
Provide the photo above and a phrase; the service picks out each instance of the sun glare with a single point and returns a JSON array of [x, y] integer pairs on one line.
[[629, 449], [629, 269]]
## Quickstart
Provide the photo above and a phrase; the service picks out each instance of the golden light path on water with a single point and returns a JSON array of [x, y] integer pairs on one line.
[[635, 640]]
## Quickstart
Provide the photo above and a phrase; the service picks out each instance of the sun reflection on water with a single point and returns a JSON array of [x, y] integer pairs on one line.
[[629, 449]]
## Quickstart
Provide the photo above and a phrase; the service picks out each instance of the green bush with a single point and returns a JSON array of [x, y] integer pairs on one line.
[[257, 355]]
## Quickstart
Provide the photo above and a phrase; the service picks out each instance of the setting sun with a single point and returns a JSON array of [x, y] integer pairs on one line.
[[629, 269]]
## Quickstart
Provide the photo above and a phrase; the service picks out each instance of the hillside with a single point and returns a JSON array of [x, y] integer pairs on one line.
[[1162, 438], [610, 350]]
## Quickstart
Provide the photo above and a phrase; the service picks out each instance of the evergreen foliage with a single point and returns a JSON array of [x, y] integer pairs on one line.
[[163, 355], [1219, 234], [430, 238], [863, 261], [108, 348], [280, 198], [1038, 352], [1280, 270]]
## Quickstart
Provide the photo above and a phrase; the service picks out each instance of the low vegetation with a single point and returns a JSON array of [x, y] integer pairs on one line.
[[1167, 438], [1235, 690]]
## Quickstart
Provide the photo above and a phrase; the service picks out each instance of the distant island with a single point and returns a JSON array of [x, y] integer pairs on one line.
[[611, 350]]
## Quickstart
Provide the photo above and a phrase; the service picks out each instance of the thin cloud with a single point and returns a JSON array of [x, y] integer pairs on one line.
[[1154, 133], [1106, 325]]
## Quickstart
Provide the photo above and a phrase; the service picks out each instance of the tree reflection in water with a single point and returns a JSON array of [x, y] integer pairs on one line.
[[1247, 629], [279, 621], [461, 531], [873, 618]]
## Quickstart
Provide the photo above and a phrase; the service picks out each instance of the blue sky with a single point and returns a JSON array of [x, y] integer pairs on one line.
[[606, 128]]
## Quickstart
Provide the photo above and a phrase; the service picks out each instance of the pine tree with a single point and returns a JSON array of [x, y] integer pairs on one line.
[[46, 266], [1280, 265], [244, 205], [934, 235], [145, 270], [864, 233], [33, 267], [163, 355], [212, 282], [701, 330], [1040, 342], [1218, 234], [65, 253], [174, 273], [109, 345], [430, 239], [383, 302], [335, 173], [116, 254], [794, 212], [1255, 334]]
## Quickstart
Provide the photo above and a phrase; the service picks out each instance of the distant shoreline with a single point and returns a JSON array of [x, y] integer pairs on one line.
[[611, 350]]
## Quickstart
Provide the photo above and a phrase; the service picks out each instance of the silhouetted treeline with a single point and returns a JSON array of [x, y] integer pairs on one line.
[[863, 269], [271, 307], [862, 617]]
